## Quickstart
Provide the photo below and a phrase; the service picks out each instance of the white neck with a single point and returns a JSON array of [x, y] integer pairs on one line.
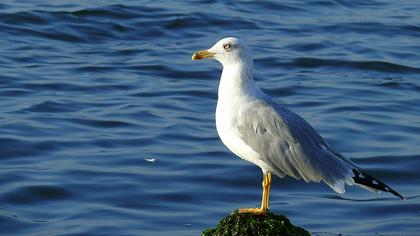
[[235, 80]]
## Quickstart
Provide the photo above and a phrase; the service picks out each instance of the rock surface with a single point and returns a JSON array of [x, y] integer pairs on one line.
[[244, 224]]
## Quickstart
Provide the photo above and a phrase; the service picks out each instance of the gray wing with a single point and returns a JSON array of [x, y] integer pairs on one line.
[[290, 146]]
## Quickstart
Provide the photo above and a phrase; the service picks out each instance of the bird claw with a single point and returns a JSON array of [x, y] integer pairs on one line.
[[255, 211]]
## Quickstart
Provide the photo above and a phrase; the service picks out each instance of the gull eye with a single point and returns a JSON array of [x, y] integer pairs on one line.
[[227, 46]]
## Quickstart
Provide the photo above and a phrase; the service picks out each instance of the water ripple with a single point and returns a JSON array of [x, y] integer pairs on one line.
[[35, 194], [361, 65]]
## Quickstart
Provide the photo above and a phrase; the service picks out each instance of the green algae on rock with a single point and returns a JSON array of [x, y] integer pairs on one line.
[[245, 224]]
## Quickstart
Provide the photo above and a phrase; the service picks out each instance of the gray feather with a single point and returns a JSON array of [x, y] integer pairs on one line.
[[290, 146]]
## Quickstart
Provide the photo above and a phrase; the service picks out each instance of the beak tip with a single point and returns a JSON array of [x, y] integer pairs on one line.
[[196, 56]]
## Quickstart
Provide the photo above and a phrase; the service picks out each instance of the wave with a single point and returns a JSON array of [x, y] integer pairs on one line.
[[360, 65]]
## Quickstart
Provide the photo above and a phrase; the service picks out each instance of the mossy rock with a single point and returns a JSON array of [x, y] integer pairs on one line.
[[244, 224]]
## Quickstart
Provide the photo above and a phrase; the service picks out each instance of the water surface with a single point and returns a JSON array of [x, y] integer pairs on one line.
[[107, 126]]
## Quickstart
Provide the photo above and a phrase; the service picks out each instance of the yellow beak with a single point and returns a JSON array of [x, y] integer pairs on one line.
[[202, 54]]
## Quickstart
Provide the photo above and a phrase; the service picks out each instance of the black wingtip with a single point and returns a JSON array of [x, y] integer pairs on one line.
[[396, 193], [369, 181]]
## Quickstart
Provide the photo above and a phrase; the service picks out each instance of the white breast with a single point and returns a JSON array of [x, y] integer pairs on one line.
[[227, 112]]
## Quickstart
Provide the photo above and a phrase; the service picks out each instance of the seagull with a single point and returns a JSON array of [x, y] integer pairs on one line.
[[269, 135]]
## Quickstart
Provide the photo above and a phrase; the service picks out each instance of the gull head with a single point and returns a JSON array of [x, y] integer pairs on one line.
[[228, 51]]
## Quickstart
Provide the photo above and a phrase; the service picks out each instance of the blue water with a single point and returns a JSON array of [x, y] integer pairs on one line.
[[107, 126]]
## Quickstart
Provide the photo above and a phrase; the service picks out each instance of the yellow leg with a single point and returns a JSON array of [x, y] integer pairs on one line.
[[266, 184], [267, 190]]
